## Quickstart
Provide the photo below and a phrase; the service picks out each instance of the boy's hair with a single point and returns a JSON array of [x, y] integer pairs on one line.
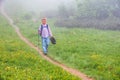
[[44, 19]]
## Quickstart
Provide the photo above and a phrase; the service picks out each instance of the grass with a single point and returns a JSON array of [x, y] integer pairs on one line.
[[19, 62], [94, 52]]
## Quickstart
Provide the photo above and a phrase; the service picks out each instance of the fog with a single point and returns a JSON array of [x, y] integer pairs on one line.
[[38, 5], [102, 14]]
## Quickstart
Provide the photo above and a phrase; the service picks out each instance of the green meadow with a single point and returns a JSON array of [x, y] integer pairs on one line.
[[94, 52], [19, 62]]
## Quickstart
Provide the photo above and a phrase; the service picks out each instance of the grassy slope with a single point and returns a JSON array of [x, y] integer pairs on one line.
[[19, 62], [94, 52]]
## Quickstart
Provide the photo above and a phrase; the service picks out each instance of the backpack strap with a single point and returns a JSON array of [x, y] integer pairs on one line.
[[48, 29], [42, 29]]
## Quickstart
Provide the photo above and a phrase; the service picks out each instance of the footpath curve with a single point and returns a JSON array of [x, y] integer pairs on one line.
[[66, 68]]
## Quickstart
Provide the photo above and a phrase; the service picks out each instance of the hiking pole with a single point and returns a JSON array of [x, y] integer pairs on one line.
[[38, 41]]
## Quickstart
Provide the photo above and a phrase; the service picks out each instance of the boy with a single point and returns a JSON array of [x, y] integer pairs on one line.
[[45, 32]]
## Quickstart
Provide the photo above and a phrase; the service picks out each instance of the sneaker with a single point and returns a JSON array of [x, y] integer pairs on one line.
[[45, 53]]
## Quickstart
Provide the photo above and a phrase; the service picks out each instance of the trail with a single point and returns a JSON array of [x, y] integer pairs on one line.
[[68, 69]]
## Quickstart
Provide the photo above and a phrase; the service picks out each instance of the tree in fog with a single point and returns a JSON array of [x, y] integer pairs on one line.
[[99, 9], [101, 14], [116, 10], [62, 11]]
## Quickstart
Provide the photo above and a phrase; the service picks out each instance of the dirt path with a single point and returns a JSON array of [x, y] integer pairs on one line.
[[68, 69]]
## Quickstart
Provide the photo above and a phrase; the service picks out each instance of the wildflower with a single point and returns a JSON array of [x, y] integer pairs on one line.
[[7, 68]]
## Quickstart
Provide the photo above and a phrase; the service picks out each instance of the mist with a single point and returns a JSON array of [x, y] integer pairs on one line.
[[103, 14], [38, 5]]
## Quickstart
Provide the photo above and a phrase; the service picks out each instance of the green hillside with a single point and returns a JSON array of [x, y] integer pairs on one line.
[[19, 62], [94, 52], [87, 34]]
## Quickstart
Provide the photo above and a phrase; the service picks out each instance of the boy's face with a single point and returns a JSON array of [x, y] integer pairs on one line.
[[44, 21]]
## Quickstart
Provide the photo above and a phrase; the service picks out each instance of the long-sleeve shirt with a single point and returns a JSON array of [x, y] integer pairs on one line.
[[46, 32]]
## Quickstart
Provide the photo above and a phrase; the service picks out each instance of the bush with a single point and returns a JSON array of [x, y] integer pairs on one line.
[[116, 13], [106, 24], [27, 16], [102, 14]]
